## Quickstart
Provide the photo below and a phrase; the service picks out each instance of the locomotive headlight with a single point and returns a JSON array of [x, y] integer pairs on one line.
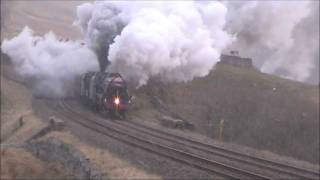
[[117, 100]]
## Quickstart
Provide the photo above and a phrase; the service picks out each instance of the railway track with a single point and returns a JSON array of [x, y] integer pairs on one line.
[[115, 131], [165, 144], [283, 169], [256, 164]]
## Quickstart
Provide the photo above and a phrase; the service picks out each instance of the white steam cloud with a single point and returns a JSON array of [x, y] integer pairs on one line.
[[175, 41], [182, 40], [282, 37], [50, 64]]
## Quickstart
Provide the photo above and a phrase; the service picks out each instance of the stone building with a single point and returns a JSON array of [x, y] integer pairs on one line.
[[235, 60]]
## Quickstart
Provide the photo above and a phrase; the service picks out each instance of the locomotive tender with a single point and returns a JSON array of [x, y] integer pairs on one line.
[[105, 92]]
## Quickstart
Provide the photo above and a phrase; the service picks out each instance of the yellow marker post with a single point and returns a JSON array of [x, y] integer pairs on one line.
[[221, 125]]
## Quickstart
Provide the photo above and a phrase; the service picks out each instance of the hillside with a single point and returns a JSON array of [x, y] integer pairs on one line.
[[260, 110], [41, 17], [16, 98]]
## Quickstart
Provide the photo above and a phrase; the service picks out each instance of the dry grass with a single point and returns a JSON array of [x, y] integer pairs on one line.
[[261, 111], [16, 163]]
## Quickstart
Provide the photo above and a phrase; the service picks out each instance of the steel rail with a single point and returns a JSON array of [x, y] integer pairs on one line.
[[208, 148], [202, 163], [284, 169]]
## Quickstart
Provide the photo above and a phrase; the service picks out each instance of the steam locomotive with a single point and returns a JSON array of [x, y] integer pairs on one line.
[[105, 92]]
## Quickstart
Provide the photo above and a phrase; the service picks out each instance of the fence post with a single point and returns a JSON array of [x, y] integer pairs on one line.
[[221, 125]]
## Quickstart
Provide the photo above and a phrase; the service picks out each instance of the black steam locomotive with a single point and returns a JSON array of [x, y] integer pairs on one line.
[[105, 92]]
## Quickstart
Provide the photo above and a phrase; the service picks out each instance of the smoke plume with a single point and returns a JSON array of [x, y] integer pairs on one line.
[[175, 41], [50, 64], [282, 37]]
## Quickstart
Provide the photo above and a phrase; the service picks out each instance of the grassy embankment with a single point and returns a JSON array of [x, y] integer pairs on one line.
[[260, 110]]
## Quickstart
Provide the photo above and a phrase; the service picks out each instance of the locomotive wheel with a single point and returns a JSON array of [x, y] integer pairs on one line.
[[113, 114], [122, 115]]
